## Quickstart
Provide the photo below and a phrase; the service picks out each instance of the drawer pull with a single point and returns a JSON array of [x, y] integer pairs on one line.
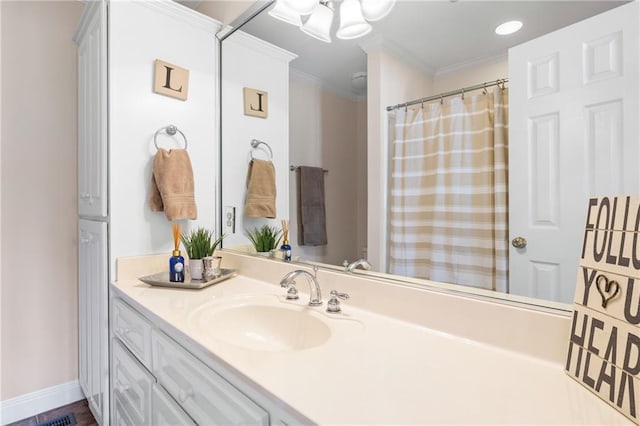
[[184, 395]]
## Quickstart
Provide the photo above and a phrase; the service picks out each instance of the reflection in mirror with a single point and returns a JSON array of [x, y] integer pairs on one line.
[[569, 103]]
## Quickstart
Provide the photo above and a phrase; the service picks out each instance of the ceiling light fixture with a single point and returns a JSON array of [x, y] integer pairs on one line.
[[301, 7], [319, 23], [354, 15], [352, 23], [286, 14], [375, 10], [508, 27]]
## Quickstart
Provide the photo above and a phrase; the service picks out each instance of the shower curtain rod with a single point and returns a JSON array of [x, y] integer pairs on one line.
[[451, 93]]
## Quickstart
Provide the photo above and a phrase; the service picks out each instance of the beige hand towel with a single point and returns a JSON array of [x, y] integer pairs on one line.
[[172, 185], [261, 190]]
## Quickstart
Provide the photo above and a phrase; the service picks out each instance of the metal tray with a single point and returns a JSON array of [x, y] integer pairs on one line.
[[161, 279]]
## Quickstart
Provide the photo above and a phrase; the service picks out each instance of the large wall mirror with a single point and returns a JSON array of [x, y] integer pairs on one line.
[[566, 83]]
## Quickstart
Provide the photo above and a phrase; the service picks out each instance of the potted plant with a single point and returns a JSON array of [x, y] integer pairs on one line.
[[199, 244], [265, 238]]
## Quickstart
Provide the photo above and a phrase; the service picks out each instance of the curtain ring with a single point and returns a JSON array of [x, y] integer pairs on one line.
[[503, 82], [462, 92], [422, 103], [484, 89], [405, 107], [441, 100]]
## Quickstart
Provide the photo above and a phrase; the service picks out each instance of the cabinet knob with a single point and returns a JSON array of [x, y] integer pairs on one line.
[[85, 237], [183, 395], [123, 331]]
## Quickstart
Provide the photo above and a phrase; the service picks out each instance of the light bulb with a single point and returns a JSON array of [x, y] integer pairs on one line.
[[319, 23], [284, 13], [374, 10], [302, 7], [352, 23]]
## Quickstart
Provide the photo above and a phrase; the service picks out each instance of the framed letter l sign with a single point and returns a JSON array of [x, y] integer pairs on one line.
[[171, 80], [256, 102]]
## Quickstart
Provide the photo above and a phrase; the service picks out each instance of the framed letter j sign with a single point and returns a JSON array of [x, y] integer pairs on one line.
[[171, 80], [255, 102]]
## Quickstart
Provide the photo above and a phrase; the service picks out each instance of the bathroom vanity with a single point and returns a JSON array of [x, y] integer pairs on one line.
[[239, 353]]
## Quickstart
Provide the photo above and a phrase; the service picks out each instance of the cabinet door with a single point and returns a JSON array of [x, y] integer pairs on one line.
[[131, 387], [132, 329], [92, 306], [92, 112], [205, 395], [165, 411]]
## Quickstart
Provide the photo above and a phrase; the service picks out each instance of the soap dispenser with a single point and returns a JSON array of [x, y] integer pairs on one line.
[[285, 247], [176, 261]]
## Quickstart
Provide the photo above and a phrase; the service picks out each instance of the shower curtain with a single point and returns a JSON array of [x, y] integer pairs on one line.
[[448, 194]]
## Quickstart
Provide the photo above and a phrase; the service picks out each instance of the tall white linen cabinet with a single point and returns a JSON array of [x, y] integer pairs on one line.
[[118, 116]]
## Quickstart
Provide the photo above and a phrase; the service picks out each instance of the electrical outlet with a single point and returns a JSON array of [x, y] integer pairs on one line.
[[230, 219]]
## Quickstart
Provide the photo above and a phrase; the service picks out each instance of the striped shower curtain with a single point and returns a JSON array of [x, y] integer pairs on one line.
[[448, 195]]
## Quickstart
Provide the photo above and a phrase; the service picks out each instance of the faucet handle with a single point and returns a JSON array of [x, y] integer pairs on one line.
[[333, 305], [292, 293]]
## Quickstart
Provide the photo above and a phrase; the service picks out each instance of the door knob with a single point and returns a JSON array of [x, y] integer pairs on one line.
[[519, 242]]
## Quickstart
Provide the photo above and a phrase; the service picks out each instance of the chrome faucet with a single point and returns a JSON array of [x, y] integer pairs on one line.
[[315, 296], [349, 267]]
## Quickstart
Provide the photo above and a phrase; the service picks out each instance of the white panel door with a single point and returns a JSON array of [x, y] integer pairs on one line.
[[573, 134], [92, 305], [92, 112]]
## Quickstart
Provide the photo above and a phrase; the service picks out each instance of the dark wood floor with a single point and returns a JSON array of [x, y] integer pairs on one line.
[[79, 409]]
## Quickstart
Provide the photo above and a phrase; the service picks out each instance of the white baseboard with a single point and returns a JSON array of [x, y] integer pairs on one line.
[[30, 404]]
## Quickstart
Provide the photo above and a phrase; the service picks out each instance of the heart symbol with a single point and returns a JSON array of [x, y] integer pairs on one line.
[[611, 289]]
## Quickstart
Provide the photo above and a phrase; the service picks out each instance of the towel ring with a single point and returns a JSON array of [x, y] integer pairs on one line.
[[170, 130], [255, 143]]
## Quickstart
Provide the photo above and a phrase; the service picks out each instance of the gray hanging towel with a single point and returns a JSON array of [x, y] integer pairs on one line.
[[312, 224]]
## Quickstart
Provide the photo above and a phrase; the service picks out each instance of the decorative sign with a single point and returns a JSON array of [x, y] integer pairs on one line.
[[256, 102], [604, 345], [171, 80]]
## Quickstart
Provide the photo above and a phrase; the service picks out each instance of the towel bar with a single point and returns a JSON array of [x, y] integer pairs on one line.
[[292, 168], [170, 130], [255, 143]]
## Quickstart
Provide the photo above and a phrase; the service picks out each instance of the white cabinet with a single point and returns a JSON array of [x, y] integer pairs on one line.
[[131, 386], [179, 390], [206, 396], [133, 330], [93, 278], [118, 114], [166, 412], [92, 111], [93, 321]]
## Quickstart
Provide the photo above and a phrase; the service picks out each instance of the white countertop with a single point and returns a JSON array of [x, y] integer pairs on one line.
[[378, 370]]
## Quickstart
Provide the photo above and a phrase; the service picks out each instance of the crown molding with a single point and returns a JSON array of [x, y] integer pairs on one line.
[[380, 43], [472, 63], [261, 46], [183, 13], [317, 82]]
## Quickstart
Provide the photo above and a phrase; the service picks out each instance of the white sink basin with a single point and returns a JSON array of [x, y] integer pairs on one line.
[[262, 326]]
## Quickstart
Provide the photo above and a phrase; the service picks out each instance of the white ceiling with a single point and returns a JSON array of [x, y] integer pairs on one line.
[[436, 35]]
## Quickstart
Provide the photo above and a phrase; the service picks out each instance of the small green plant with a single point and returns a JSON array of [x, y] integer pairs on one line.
[[200, 243], [266, 238]]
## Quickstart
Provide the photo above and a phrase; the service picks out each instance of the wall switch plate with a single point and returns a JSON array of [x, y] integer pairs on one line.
[[230, 219]]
